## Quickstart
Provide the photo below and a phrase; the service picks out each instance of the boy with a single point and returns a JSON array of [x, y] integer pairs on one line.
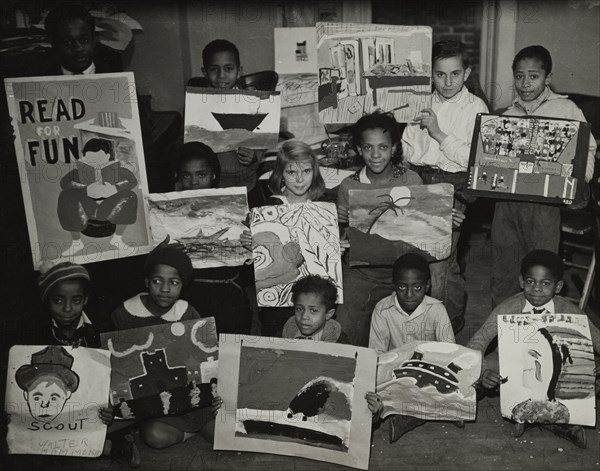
[[520, 227], [314, 306], [438, 150], [541, 281], [198, 168]]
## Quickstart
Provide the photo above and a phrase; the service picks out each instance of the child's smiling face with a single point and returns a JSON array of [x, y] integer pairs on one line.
[[298, 177], [66, 301], [222, 71], [539, 285], [530, 79], [164, 287], [311, 313], [376, 148]]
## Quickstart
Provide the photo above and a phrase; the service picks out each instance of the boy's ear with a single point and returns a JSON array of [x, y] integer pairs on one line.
[[330, 314], [204, 71], [240, 71], [559, 286], [146, 282], [85, 300], [521, 282], [428, 286], [467, 73], [548, 78]]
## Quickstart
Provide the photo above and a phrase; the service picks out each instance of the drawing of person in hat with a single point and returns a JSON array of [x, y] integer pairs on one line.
[[48, 382]]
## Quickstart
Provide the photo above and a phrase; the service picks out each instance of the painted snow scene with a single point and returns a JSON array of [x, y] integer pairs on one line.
[[548, 360], [208, 224], [163, 369], [225, 120], [429, 380], [387, 223], [291, 242]]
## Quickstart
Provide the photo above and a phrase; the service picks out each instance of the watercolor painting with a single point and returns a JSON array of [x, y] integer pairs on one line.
[[528, 158], [80, 154], [53, 395], [296, 398], [208, 224], [164, 369], [387, 223], [227, 119], [294, 241], [429, 380], [365, 67], [548, 363]]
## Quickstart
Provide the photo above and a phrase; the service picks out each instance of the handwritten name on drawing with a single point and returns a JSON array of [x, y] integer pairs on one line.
[[51, 144], [76, 425], [67, 446]]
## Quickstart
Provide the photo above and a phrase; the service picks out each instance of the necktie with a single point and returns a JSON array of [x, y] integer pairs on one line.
[[538, 310]]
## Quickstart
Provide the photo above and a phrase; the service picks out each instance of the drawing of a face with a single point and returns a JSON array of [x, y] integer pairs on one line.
[[98, 158], [537, 366], [46, 398], [298, 177], [376, 149], [311, 313]]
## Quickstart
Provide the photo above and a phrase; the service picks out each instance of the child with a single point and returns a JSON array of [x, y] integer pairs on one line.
[[168, 271], [314, 306], [540, 281], [520, 227], [437, 146], [197, 168], [406, 316]]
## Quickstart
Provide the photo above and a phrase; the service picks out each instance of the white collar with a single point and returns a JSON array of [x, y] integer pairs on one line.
[[363, 176], [549, 307], [90, 70], [83, 319], [420, 309], [136, 308], [461, 98]]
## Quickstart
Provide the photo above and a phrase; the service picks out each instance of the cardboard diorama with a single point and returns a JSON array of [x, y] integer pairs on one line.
[[79, 149], [164, 369], [387, 223], [208, 224], [299, 398], [53, 396], [365, 67], [291, 242], [225, 120], [531, 158], [429, 380], [548, 363]]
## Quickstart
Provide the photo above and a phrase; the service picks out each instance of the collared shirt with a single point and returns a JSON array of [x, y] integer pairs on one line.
[[392, 327], [79, 336], [90, 70], [135, 306], [548, 308], [456, 118]]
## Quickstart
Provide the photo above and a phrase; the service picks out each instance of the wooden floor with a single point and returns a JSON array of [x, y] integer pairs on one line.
[[486, 444]]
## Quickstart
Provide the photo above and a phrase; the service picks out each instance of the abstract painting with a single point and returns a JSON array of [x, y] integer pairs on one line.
[[295, 50], [299, 398], [164, 369], [364, 67], [528, 158], [225, 120], [547, 364], [387, 223], [80, 156], [208, 224], [291, 242], [53, 395], [429, 380]]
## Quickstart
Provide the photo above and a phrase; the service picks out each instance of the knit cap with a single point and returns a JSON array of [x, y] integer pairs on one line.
[[51, 274], [175, 258]]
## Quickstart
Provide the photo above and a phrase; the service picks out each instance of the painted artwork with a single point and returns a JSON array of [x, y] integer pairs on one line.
[[547, 365], [298, 398], [387, 223], [294, 241], [365, 67], [295, 50], [79, 149], [225, 120], [208, 224], [530, 158], [164, 369], [429, 380], [53, 397]]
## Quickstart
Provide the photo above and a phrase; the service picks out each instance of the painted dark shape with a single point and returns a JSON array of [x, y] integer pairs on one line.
[[320, 396], [240, 120], [429, 374], [159, 376]]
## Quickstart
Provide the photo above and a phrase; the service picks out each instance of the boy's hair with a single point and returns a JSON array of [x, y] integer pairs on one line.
[[324, 287], [410, 261], [199, 151], [95, 144], [296, 151], [65, 13], [376, 120], [546, 259], [448, 49], [164, 255], [534, 52], [52, 275], [219, 45]]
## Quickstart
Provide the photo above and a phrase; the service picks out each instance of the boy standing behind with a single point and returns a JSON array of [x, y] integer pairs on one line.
[[438, 150]]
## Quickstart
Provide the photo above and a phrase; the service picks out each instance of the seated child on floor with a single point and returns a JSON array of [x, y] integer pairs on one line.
[[406, 316], [541, 280], [168, 271]]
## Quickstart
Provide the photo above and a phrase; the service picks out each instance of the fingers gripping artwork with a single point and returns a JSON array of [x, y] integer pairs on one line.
[[53, 395], [163, 370], [528, 158], [293, 241], [295, 398], [548, 361], [429, 380], [387, 223]]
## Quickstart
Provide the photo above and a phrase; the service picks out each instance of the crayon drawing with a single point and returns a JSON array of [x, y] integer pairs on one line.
[[387, 223], [296, 398], [293, 241], [53, 394], [548, 361], [164, 369], [429, 380], [208, 224]]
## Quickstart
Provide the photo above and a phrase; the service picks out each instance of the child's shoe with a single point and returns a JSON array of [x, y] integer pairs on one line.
[[400, 424], [574, 433], [520, 428]]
